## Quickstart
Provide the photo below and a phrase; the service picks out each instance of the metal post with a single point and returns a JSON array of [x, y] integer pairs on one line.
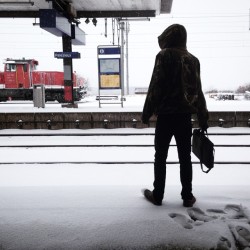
[[68, 70], [113, 30], [122, 60], [106, 27], [127, 70]]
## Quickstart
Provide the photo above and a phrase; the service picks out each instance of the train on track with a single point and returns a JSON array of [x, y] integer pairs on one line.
[[21, 75]]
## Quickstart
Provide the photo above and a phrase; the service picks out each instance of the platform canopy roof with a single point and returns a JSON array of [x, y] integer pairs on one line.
[[77, 9]]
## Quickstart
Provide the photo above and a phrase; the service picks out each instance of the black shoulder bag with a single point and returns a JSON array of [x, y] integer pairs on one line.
[[203, 148]]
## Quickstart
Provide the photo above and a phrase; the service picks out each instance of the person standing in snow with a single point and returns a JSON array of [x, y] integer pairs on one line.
[[174, 94]]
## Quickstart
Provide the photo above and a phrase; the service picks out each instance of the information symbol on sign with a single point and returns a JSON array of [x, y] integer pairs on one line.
[[101, 51]]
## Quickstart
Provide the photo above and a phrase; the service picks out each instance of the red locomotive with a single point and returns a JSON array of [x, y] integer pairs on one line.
[[19, 76]]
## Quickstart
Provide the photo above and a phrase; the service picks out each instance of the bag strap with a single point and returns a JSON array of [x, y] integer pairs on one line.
[[202, 168], [205, 171]]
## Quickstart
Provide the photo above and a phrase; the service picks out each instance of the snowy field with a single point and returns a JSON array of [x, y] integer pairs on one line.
[[100, 206]]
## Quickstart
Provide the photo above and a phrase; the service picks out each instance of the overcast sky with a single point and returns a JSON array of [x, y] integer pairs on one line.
[[218, 34]]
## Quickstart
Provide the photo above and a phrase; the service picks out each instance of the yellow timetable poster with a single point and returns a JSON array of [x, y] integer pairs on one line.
[[109, 81]]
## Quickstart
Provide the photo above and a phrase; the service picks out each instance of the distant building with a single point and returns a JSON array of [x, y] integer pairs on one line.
[[225, 96]]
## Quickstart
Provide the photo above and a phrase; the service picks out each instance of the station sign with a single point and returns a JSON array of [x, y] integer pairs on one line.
[[62, 55], [109, 66], [109, 51]]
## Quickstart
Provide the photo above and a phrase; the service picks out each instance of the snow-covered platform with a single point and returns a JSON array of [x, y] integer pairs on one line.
[[118, 217]]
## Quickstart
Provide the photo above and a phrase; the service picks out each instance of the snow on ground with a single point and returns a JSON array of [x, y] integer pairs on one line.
[[118, 217], [100, 206], [133, 103]]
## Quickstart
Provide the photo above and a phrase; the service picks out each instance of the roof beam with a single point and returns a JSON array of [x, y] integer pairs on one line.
[[19, 14], [124, 13], [83, 14]]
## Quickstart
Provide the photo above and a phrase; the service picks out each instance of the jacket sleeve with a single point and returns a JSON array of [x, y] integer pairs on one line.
[[154, 94], [202, 113]]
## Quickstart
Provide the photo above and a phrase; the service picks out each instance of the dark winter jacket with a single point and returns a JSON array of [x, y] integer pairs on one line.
[[175, 86]]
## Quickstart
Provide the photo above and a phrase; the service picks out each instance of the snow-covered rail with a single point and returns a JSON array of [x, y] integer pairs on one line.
[[110, 147]]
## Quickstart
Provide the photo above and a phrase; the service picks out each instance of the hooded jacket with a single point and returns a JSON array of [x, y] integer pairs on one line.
[[175, 86]]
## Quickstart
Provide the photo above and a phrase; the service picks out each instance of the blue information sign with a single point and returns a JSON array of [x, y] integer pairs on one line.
[[61, 55], [109, 51]]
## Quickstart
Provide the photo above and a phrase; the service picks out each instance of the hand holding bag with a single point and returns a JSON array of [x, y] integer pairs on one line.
[[203, 148]]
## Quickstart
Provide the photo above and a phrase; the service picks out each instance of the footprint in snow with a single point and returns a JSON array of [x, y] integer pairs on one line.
[[216, 211], [182, 220], [196, 213], [223, 244], [231, 212], [235, 211], [241, 235]]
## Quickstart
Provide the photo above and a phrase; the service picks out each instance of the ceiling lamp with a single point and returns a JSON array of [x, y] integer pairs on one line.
[[87, 21], [94, 21]]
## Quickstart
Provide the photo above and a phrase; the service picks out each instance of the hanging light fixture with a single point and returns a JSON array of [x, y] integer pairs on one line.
[[87, 21], [94, 21]]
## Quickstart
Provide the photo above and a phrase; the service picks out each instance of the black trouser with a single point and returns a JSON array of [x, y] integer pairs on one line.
[[167, 126]]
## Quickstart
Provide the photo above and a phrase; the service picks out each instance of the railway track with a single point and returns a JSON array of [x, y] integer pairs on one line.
[[108, 148]]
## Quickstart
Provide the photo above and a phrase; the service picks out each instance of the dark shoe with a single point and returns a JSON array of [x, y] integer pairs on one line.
[[149, 196], [189, 203]]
